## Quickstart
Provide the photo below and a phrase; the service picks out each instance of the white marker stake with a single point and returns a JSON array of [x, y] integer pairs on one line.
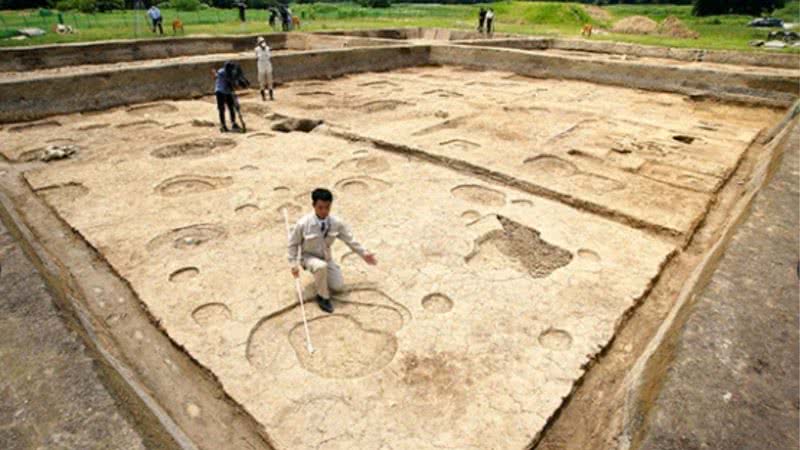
[[297, 285]]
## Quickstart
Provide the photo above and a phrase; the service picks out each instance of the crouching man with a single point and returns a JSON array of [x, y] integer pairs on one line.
[[310, 246]]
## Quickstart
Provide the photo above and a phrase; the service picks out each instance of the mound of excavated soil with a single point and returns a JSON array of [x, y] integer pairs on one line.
[[673, 27], [636, 25], [670, 27], [597, 13]]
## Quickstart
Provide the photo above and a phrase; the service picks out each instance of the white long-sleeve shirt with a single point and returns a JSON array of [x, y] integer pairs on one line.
[[263, 58], [309, 236]]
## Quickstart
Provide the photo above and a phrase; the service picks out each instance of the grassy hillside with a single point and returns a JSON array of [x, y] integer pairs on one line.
[[535, 18]]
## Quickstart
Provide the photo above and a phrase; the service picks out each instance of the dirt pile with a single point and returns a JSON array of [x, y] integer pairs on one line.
[[673, 27], [669, 27], [635, 25], [597, 13]]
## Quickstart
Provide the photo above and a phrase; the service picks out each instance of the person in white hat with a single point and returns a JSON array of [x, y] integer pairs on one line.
[[264, 58]]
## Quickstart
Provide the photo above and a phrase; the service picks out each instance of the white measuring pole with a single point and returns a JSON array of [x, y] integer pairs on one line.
[[297, 284]]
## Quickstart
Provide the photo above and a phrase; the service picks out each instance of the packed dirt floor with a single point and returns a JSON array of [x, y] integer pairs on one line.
[[516, 222]]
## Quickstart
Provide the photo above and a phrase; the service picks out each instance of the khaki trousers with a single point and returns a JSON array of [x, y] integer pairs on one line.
[[265, 79], [327, 276]]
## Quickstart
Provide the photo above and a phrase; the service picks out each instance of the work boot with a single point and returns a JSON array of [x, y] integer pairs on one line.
[[236, 128], [223, 129], [270, 95], [264, 97], [325, 304]]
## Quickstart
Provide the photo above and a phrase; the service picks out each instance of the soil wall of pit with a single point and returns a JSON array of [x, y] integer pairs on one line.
[[50, 56], [506, 40], [36, 98], [784, 60], [442, 34], [313, 41], [778, 60], [755, 88]]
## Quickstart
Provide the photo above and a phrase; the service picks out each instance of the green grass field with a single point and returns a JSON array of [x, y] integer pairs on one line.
[[532, 18]]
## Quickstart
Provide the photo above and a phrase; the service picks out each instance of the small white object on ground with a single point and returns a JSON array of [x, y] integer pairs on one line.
[[31, 32], [54, 152], [775, 44]]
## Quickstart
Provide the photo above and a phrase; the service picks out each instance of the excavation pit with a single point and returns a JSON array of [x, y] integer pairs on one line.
[[516, 224]]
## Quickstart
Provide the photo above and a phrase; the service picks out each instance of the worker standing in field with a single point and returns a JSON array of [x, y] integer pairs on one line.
[[242, 5], [289, 15], [273, 16], [224, 84], [310, 247], [490, 21], [286, 18], [155, 19], [264, 64]]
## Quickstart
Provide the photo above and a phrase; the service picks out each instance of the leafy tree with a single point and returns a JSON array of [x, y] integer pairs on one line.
[[709, 7], [757, 7], [375, 3], [90, 6], [186, 5], [109, 5], [750, 7], [264, 4], [24, 4]]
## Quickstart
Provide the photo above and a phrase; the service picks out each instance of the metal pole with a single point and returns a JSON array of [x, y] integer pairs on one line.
[[297, 285]]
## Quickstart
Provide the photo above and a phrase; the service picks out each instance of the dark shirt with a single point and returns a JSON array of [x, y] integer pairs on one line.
[[223, 84]]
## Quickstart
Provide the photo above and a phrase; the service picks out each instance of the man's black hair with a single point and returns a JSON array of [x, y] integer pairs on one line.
[[235, 75], [321, 194]]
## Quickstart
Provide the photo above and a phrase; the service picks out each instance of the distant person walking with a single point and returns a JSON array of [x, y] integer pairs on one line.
[[242, 5], [289, 15], [481, 19], [155, 19], [273, 18], [264, 63], [490, 21], [286, 18]]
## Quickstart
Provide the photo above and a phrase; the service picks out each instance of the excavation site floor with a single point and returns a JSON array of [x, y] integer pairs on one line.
[[516, 221]]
